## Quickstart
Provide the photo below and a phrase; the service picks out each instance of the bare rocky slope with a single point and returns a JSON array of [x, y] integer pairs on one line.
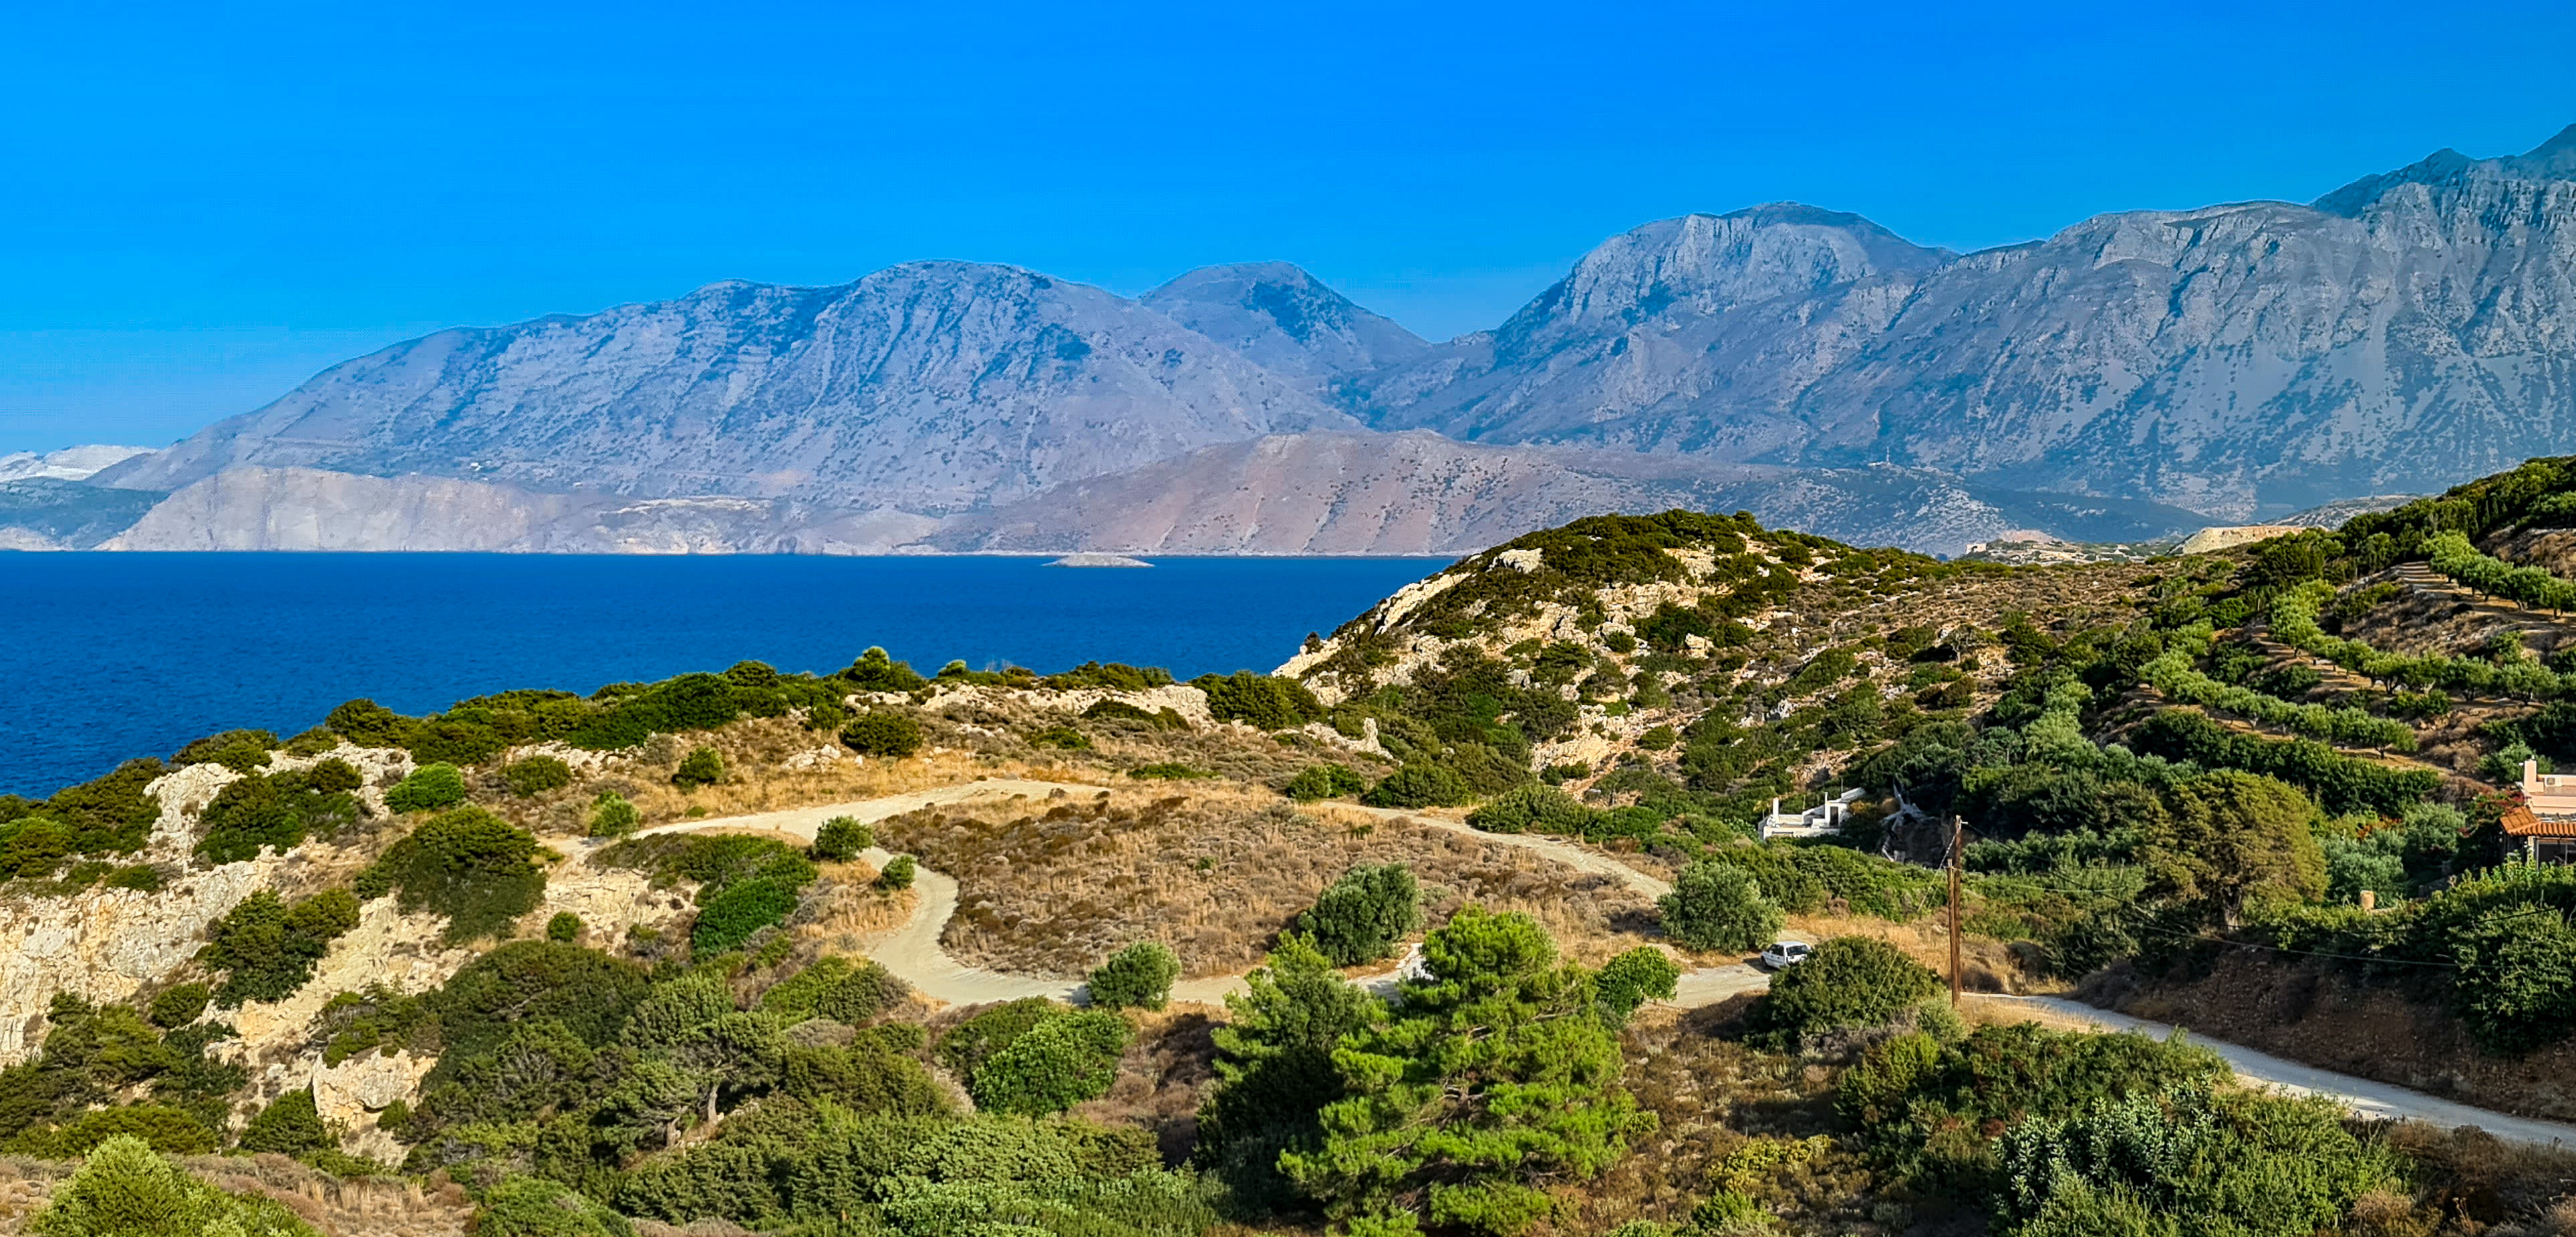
[[2236, 362], [2397, 335]]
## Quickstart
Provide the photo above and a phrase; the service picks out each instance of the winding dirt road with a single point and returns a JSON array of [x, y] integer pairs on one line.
[[914, 953]]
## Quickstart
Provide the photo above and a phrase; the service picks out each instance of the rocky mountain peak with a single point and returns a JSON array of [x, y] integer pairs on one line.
[[1702, 264], [2449, 170], [1285, 320]]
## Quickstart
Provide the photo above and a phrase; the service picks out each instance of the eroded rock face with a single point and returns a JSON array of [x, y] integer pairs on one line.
[[104, 944]]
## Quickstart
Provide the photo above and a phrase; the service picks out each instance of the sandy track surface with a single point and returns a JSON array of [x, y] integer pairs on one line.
[[913, 952], [2367, 1098]]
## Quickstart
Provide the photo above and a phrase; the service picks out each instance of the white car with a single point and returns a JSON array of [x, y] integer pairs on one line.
[[1785, 954]]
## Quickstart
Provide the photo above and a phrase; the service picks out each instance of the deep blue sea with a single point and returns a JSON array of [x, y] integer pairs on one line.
[[112, 656]]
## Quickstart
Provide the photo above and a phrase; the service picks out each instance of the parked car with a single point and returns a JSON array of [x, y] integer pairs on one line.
[[1784, 954]]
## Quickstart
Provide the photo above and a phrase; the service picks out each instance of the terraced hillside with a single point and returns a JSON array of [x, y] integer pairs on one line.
[[781, 952]]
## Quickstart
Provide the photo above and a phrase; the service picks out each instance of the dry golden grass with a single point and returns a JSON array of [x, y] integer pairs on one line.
[[355, 1207], [1216, 870], [1988, 965]]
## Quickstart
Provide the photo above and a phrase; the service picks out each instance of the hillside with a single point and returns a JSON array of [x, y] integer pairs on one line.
[[796, 953]]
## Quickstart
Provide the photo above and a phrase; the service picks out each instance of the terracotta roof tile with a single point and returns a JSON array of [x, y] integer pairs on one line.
[[2522, 822]]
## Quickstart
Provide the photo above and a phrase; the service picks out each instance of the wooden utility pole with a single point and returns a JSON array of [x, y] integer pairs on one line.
[[1955, 858]]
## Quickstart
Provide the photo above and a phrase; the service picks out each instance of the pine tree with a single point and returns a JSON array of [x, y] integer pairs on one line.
[[1495, 1076]]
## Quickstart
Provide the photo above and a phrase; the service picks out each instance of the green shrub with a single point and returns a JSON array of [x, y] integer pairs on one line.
[[1324, 781], [1065, 737], [1065, 1059], [124, 1189], [289, 1126], [734, 914], [897, 873], [1137, 977], [469, 865], [1362, 915], [427, 789], [1265, 702], [536, 775], [1114, 676], [1718, 907], [1121, 711], [168, 1130], [565, 926], [1633, 978], [874, 671], [2189, 1161], [842, 838], [274, 811], [702, 767], [368, 724], [966, 1046], [837, 988], [1418, 785], [612, 816], [535, 1207], [238, 750], [881, 733], [270, 948], [1849, 981], [178, 1005], [1533, 806]]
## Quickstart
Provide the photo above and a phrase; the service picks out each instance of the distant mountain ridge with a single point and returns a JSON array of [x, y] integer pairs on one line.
[[2180, 367]]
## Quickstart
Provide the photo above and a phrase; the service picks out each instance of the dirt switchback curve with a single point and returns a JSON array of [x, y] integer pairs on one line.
[[913, 952]]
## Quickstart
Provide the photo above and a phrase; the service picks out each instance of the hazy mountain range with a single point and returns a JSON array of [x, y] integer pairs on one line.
[[2138, 373]]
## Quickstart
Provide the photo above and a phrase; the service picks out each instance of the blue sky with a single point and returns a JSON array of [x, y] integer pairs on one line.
[[201, 208]]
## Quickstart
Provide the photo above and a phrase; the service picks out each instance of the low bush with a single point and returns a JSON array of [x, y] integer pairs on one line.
[[1324, 781], [427, 789], [269, 948], [1417, 785], [1849, 981], [1065, 737], [178, 1005], [1167, 771], [882, 733], [1540, 807], [1633, 978], [1123, 712], [564, 926], [290, 1125], [276, 811], [238, 750], [966, 1046], [535, 1207], [1137, 977], [1719, 907], [1261, 700], [897, 873], [612, 816], [125, 1189], [1360, 917], [1066, 1058], [841, 838], [702, 767], [842, 989], [536, 775], [733, 914], [475, 868]]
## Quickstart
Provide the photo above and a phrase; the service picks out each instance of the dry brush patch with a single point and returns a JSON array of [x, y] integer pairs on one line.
[[1215, 873]]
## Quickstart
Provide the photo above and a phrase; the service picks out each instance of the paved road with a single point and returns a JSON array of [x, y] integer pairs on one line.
[[2370, 1099], [913, 952]]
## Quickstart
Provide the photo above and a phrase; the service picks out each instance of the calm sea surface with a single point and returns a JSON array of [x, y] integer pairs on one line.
[[112, 656]]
